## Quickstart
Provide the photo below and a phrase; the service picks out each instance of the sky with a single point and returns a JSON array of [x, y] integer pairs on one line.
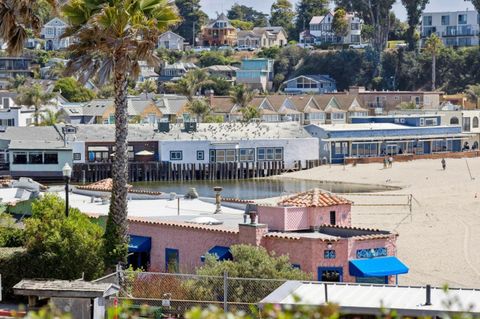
[[213, 6]]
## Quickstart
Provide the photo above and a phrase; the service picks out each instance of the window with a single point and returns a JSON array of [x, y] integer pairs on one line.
[[230, 156], [466, 124], [462, 19], [330, 274], [77, 156], [329, 254], [355, 38], [454, 121], [6, 103], [475, 122], [296, 266], [176, 155], [270, 154], [355, 26], [220, 156], [445, 20], [50, 158], [171, 260], [431, 122], [427, 20], [11, 122], [247, 154], [35, 158], [19, 158], [371, 253], [212, 156], [333, 219], [200, 155]]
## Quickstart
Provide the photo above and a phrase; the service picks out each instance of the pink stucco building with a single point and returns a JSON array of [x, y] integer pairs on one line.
[[313, 228]]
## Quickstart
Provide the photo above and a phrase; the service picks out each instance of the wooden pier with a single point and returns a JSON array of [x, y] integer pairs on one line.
[[168, 171]]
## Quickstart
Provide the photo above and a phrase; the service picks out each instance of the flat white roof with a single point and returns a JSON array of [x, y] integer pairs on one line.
[[369, 299], [369, 126]]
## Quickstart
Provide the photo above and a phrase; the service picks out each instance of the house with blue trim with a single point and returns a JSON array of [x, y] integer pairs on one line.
[[315, 84], [387, 136], [256, 73]]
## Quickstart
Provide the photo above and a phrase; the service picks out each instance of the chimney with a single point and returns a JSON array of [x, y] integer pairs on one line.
[[428, 301], [250, 232]]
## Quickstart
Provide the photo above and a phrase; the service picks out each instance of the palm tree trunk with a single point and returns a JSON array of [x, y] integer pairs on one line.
[[116, 236], [434, 71]]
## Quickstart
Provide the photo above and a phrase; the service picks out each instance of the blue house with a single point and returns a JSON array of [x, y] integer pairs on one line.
[[256, 73], [378, 139], [317, 84]]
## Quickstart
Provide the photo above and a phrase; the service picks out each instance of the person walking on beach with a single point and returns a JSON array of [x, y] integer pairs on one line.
[[444, 164], [390, 161], [385, 160]]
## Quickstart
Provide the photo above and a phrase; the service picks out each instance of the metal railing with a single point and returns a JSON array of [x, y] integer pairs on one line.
[[177, 293]]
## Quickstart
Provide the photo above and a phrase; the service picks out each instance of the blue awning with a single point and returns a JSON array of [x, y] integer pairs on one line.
[[377, 267], [221, 252], [139, 244]]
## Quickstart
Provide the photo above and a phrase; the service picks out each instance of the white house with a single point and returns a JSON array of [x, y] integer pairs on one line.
[[12, 114], [318, 83], [458, 28], [52, 33], [171, 41], [321, 30]]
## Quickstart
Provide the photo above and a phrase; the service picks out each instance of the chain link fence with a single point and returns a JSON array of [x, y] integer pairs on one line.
[[176, 293]]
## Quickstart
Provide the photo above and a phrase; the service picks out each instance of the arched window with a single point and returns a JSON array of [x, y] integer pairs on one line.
[[475, 122], [454, 121]]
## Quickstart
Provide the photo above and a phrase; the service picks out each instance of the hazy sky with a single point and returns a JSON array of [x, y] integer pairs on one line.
[[212, 6]]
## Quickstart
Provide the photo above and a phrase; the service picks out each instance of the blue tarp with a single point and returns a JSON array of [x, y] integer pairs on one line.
[[139, 244], [221, 252], [377, 267]]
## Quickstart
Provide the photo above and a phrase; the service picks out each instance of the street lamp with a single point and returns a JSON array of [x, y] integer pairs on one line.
[[67, 173]]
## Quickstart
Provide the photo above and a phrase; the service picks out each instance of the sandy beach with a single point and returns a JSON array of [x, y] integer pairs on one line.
[[440, 240]]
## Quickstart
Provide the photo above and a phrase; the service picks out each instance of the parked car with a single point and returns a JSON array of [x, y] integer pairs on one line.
[[306, 46], [224, 47], [200, 49], [244, 48], [359, 46]]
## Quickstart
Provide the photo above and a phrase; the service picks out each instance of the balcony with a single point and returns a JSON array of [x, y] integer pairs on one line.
[[460, 31]]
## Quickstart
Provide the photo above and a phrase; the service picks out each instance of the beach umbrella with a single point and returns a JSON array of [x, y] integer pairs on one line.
[[144, 153]]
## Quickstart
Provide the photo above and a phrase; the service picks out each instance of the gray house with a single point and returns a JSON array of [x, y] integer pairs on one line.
[[37, 152], [171, 41], [318, 84]]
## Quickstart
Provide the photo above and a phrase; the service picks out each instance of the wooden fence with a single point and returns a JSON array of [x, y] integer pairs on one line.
[[168, 171]]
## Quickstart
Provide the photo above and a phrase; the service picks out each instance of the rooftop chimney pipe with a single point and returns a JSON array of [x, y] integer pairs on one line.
[[428, 301]]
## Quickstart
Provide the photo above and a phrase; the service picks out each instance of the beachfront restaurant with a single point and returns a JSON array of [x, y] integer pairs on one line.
[[342, 141]]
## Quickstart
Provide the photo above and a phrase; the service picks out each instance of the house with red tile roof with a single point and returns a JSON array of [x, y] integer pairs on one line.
[[313, 228]]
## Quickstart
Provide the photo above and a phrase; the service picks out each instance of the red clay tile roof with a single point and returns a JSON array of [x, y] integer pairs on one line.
[[220, 229], [105, 185], [314, 198]]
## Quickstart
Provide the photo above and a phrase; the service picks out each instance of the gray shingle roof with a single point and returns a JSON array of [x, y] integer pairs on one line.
[[64, 288]]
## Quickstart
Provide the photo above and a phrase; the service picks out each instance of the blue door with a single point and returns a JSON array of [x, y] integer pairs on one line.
[[330, 274]]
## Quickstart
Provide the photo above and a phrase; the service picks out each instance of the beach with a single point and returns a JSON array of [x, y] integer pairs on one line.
[[439, 239]]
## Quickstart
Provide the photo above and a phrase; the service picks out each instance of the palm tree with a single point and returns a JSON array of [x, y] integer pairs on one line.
[[199, 107], [473, 94], [112, 36], [17, 17], [34, 96], [432, 47], [241, 95], [148, 86], [191, 83], [50, 118], [16, 82]]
